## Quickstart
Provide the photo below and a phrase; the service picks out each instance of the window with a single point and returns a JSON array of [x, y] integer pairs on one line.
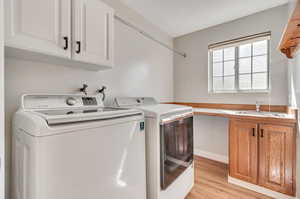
[[240, 65]]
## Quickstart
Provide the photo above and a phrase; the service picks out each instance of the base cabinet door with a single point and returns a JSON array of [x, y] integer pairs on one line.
[[277, 158], [39, 26], [243, 151]]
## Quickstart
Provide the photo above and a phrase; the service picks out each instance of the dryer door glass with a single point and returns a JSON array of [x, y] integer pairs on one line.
[[176, 149]]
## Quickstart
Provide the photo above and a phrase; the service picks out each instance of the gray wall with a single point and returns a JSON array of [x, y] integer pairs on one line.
[[191, 74], [142, 68], [210, 137]]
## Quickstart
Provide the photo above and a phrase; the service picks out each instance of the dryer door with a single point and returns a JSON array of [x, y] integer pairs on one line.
[[176, 149]]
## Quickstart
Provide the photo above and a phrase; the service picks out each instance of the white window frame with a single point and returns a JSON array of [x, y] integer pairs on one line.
[[236, 43]]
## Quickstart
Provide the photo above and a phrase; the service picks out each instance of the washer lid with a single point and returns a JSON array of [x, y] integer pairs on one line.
[[53, 117]]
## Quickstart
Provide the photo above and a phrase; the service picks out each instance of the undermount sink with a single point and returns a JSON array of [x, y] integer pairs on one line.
[[263, 114]]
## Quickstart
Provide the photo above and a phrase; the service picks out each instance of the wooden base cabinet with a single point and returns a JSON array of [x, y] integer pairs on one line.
[[243, 151], [263, 154], [277, 158]]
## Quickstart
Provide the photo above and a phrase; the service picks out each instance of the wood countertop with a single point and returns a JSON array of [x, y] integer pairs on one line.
[[250, 115], [280, 114]]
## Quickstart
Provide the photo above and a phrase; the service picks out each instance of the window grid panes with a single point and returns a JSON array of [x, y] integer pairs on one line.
[[241, 68], [224, 69]]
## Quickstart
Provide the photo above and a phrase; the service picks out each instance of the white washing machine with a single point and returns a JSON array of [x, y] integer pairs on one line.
[[169, 147], [71, 147]]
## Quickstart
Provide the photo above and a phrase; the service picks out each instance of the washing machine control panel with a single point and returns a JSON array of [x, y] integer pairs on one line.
[[60, 101], [89, 101]]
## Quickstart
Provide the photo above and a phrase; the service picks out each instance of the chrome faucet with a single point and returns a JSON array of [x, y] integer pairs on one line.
[[83, 89], [102, 92], [257, 105]]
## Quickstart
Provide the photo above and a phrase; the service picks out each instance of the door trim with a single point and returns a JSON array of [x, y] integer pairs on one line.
[[2, 136]]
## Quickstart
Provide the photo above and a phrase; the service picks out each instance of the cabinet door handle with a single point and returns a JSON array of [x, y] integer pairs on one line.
[[66, 43], [262, 133], [78, 47], [253, 132]]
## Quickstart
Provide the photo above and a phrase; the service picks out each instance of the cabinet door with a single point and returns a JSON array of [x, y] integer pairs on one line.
[[39, 26], [277, 158], [243, 150], [93, 32]]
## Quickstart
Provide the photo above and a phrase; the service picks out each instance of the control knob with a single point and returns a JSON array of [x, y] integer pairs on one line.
[[71, 101]]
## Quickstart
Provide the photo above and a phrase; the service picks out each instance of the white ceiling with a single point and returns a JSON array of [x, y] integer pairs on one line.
[[179, 17]]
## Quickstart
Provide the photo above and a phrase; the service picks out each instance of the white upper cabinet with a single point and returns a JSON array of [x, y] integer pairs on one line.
[[93, 30], [39, 26], [73, 32]]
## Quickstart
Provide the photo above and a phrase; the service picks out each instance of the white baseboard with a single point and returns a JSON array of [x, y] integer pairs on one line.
[[211, 156], [259, 189]]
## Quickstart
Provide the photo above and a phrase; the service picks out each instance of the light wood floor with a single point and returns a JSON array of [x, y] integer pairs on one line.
[[211, 183]]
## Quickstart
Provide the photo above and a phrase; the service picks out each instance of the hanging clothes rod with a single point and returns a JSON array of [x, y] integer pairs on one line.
[[148, 35]]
